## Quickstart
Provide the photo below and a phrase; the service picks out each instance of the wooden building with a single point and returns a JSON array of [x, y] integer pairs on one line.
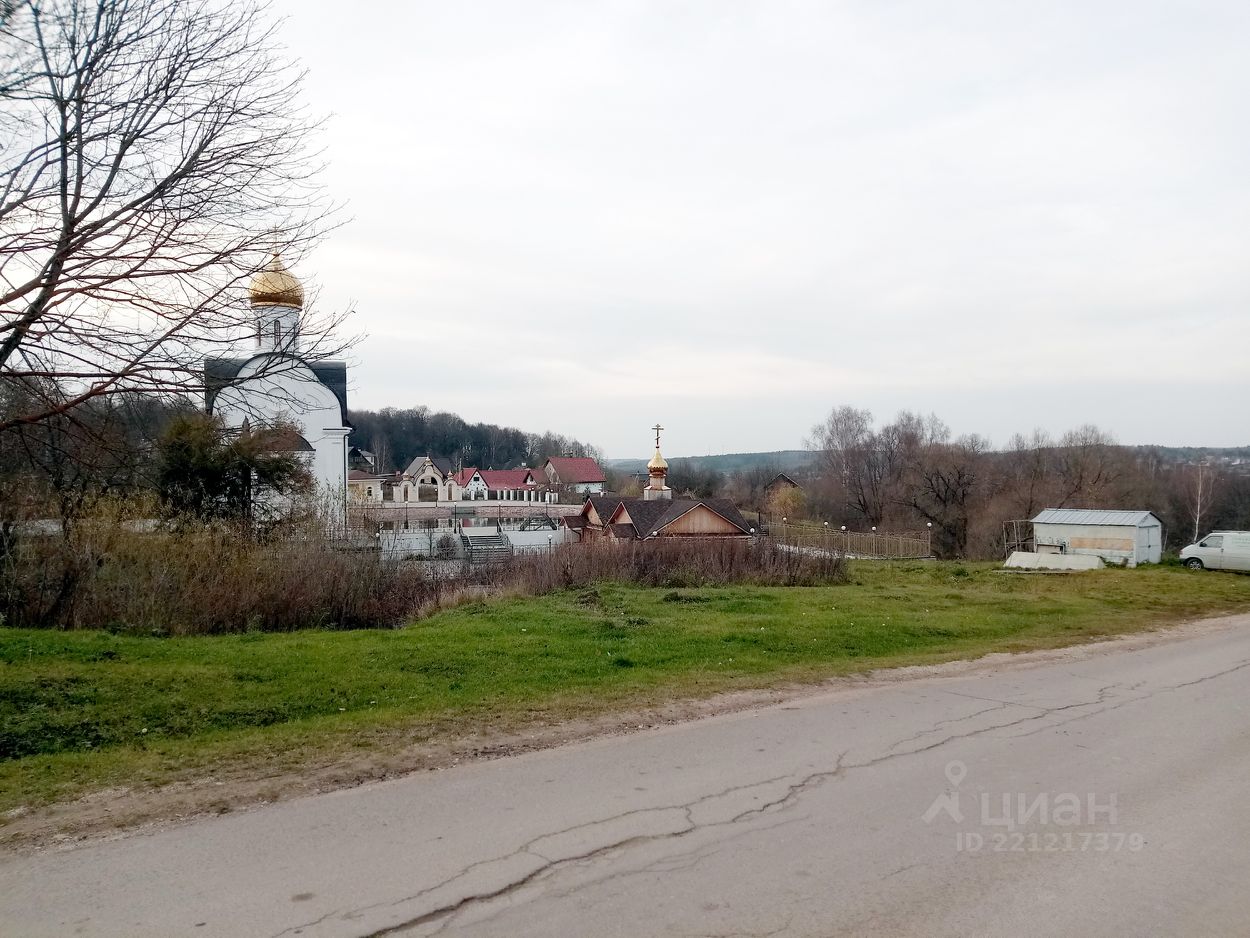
[[641, 519]]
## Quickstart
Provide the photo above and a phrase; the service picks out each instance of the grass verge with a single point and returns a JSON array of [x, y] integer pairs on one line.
[[81, 711]]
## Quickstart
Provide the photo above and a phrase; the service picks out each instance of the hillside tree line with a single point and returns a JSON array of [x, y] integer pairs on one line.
[[396, 436], [912, 472]]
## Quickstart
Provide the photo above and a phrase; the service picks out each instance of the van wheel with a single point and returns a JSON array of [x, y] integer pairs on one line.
[[1193, 563]]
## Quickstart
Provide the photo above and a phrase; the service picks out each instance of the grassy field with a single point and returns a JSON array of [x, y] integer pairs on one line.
[[87, 710]]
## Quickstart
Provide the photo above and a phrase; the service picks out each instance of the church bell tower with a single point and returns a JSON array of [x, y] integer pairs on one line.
[[277, 299], [657, 470]]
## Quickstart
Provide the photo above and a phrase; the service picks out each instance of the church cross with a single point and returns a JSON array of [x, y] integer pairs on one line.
[[657, 428]]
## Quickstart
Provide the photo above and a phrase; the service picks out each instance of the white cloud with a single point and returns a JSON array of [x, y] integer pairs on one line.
[[732, 216]]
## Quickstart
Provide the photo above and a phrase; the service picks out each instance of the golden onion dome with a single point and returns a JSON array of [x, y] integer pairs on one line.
[[276, 286], [657, 461]]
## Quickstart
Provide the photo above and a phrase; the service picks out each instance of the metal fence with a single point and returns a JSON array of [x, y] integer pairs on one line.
[[870, 545]]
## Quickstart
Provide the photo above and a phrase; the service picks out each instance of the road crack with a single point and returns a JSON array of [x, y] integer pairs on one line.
[[446, 912]]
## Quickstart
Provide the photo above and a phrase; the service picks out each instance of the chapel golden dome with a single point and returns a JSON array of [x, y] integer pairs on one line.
[[276, 286], [657, 461]]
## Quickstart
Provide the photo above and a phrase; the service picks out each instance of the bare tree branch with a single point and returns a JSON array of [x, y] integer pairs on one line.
[[153, 154]]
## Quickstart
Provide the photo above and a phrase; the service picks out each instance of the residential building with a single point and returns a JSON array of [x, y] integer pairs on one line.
[[582, 475]]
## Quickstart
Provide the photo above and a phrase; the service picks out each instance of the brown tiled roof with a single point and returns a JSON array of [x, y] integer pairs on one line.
[[572, 470], [624, 531]]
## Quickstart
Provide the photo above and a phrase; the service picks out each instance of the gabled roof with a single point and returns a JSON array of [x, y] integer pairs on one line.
[[573, 470], [442, 465], [729, 511], [463, 477], [359, 475], [604, 506], [1097, 516], [650, 517], [506, 478], [783, 479], [646, 516]]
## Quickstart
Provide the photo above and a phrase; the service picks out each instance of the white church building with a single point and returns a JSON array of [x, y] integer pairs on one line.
[[273, 382]]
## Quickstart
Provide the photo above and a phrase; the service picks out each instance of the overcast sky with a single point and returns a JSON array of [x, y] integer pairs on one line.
[[730, 217]]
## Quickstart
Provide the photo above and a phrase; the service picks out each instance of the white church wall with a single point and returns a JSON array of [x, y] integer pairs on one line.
[[289, 390]]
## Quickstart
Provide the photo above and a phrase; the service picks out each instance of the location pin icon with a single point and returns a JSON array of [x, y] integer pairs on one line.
[[956, 772]]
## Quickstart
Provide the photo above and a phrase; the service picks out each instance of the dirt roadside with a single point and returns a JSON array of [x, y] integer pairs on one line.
[[121, 812]]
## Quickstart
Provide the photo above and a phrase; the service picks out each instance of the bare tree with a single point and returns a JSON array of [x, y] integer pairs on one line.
[[1028, 472], [1200, 490], [944, 479], [1090, 464], [152, 154], [381, 448], [862, 462]]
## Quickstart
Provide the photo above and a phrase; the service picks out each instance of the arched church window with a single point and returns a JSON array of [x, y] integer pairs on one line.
[[277, 334]]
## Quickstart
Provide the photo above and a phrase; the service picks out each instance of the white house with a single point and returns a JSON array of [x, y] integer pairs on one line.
[[471, 485], [1118, 537], [576, 474], [503, 485]]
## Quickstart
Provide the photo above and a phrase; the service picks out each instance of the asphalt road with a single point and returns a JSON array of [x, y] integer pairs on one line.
[[870, 810]]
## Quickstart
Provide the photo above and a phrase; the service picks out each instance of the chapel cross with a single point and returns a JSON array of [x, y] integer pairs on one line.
[[657, 428]]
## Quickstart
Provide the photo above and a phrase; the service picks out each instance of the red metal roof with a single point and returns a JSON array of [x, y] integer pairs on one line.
[[496, 479], [572, 470]]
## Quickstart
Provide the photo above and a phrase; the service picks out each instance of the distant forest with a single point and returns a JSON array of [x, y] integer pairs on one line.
[[397, 436], [785, 460]]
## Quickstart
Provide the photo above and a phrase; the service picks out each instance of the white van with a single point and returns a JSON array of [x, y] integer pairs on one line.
[[1219, 550]]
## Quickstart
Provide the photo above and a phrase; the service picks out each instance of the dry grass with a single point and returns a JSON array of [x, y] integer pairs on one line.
[[212, 579], [86, 709]]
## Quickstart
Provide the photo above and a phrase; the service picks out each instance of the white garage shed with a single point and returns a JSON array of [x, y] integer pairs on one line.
[[1119, 537]]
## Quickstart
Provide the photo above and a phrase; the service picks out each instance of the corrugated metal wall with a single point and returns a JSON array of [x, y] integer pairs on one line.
[[1113, 543]]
